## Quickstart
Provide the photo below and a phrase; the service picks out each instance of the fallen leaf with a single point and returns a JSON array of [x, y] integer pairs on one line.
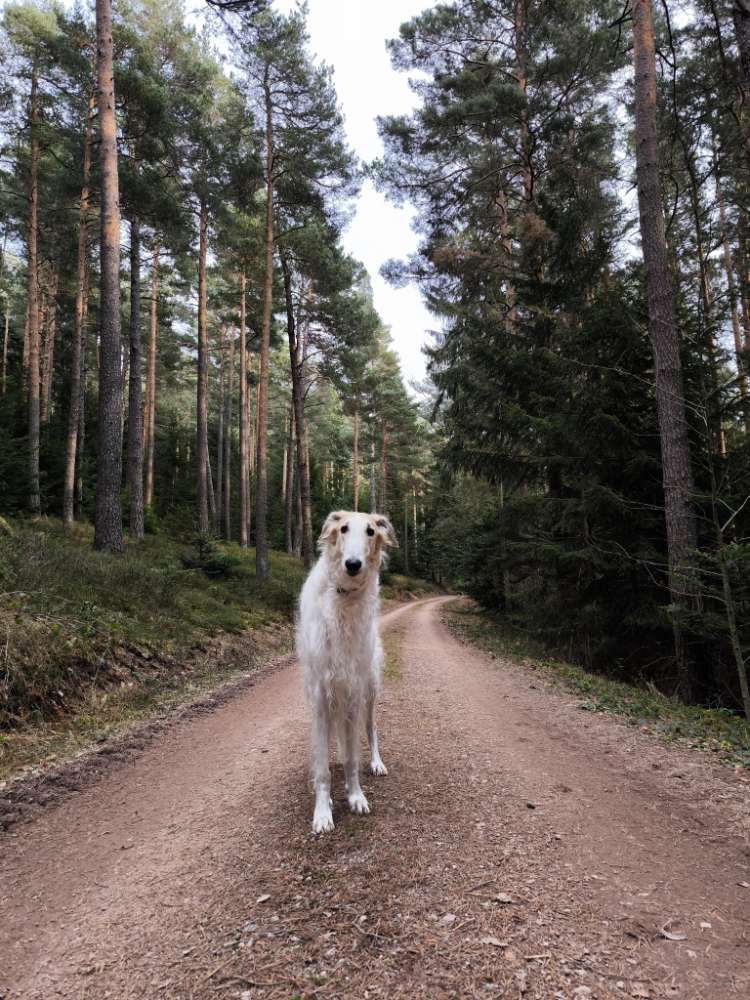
[[263, 899], [448, 919]]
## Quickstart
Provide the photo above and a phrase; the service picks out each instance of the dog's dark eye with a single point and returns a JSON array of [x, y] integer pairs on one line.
[[370, 530], [344, 529]]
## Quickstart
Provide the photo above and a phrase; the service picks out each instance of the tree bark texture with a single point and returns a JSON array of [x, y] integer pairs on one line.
[[149, 410], [261, 466], [135, 411], [297, 361], [108, 510], [670, 402], [76, 365], [201, 437], [244, 424], [32, 284]]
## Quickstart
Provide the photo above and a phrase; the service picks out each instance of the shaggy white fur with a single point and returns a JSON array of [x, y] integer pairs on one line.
[[339, 649]]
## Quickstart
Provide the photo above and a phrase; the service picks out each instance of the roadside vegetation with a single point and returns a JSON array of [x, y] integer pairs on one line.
[[91, 644], [716, 730]]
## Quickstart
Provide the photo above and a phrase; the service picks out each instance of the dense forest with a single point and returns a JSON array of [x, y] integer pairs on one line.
[[188, 349]]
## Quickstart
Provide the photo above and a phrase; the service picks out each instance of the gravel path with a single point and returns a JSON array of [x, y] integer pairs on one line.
[[518, 848]]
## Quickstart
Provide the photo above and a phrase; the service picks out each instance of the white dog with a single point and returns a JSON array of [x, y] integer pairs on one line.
[[339, 649]]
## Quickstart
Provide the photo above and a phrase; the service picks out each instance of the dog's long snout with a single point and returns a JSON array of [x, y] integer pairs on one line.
[[353, 566]]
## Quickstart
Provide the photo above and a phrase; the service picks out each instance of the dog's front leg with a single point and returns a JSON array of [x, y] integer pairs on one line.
[[376, 764], [321, 772], [356, 797]]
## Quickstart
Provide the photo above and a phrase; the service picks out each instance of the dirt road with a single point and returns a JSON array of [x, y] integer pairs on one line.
[[518, 848]]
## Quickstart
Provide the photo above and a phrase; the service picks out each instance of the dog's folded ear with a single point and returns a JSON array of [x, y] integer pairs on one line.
[[331, 524], [385, 530]]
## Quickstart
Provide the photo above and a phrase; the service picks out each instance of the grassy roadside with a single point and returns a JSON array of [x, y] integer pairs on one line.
[[91, 644], [715, 730]]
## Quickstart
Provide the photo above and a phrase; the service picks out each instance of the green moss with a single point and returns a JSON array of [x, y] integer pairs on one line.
[[716, 730]]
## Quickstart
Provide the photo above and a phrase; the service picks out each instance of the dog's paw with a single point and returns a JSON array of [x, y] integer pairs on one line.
[[358, 803], [322, 821], [378, 767]]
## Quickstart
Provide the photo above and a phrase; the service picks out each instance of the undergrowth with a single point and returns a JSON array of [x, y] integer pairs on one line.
[[716, 730], [70, 617]]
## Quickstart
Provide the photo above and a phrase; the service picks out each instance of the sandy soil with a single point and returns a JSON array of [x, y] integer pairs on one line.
[[518, 848]]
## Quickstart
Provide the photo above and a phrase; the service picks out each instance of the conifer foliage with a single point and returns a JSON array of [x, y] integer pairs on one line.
[[591, 392]]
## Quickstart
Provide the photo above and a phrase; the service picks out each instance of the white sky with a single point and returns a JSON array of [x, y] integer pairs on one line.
[[350, 35]]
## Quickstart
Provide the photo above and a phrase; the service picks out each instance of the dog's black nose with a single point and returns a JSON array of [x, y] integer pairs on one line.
[[353, 566]]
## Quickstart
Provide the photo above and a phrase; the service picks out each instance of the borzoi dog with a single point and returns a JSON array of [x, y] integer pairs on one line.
[[339, 649]]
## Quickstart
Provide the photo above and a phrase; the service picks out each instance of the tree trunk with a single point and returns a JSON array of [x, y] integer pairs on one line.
[[741, 18], [33, 298], [382, 491], [76, 363], [227, 489], [732, 294], [201, 438], [108, 512], [5, 348], [135, 412], [296, 360], [244, 424], [373, 478], [355, 460], [48, 356], [261, 474], [80, 449], [289, 493], [673, 430], [406, 532], [149, 418], [220, 431]]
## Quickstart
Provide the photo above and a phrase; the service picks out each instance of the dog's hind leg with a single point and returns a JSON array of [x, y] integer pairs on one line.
[[376, 764], [356, 797], [321, 772]]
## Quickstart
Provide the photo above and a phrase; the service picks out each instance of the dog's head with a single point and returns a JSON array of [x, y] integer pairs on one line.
[[355, 545]]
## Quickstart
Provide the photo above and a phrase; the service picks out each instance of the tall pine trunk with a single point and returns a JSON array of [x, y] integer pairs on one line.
[[220, 431], [227, 488], [149, 412], [289, 492], [261, 467], [32, 307], [201, 437], [48, 355], [108, 510], [670, 402], [244, 424], [741, 18], [297, 361], [6, 328], [382, 489], [135, 412], [355, 459], [728, 261], [76, 361]]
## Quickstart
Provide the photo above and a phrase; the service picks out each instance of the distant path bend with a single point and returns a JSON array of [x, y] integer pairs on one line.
[[518, 848]]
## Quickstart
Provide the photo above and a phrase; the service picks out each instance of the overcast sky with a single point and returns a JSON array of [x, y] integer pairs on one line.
[[351, 37]]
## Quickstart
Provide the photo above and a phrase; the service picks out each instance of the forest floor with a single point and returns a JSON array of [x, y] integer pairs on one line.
[[518, 847]]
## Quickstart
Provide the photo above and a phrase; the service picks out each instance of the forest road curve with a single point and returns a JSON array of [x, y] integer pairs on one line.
[[517, 848]]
